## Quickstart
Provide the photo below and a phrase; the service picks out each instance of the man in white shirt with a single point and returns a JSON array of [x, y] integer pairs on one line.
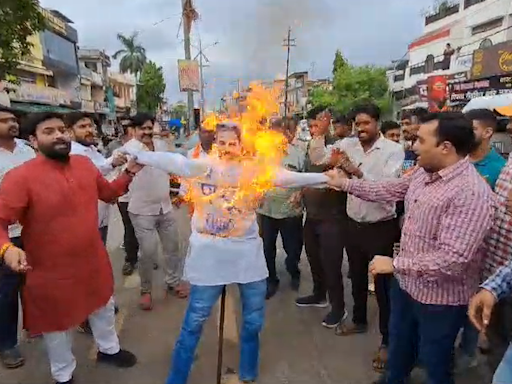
[[84, 132], [13, 152], [152, 216], [373, 227]]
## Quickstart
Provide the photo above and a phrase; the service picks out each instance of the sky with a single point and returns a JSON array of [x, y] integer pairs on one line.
[[250, 34]]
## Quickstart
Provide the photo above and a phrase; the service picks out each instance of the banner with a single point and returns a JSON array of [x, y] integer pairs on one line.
[[188, 75], [464, 91], [494, 60], [437, 93]]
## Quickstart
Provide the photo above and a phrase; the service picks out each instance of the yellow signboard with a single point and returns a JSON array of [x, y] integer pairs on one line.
[[54, 22]]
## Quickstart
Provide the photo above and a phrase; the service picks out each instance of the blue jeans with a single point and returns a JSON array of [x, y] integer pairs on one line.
[[469, 339], [421, 332], [10, 285], [503, 374], [201, 301]]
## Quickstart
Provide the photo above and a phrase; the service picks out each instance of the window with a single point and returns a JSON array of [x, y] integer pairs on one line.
[[487, 26], [486, 43], [470, 3], [59, 53], [429, 64]]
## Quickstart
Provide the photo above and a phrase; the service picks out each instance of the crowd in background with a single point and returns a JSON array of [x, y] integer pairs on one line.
[[421, 209]]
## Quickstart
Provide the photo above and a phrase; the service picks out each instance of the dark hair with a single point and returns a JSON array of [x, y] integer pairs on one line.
[[276, 123], [420, 113], [455, 128], [485, 116], [340, 119], [32, 120], [140, 118], [6, 109], [229, 126], [74, 117], [371, 110], [387, 126]]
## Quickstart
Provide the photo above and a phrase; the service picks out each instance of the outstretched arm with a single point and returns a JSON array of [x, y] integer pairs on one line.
[[289, 179], [170, 162]]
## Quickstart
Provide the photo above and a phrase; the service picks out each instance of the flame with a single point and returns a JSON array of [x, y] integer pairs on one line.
[[264, 149]]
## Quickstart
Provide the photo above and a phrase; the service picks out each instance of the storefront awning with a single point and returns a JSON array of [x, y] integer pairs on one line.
[[31, 108]]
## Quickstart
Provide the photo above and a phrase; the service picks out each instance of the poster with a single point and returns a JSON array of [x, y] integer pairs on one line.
[[188, 75]]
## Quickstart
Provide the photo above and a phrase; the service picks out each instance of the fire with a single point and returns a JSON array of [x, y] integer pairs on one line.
[[264, 149]]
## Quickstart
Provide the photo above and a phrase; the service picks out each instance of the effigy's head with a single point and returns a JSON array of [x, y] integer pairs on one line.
[[228, 140]]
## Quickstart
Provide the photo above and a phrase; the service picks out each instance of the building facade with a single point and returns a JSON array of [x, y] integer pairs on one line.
[[48, 77], [442, 58], [94, 67]]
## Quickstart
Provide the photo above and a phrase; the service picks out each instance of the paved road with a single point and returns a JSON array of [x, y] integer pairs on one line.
[[296, 349]]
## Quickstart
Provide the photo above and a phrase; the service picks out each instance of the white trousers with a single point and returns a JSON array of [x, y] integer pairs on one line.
[[59, 344]]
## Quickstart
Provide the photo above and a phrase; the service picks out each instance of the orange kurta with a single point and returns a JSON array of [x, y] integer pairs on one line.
[[57, 204]]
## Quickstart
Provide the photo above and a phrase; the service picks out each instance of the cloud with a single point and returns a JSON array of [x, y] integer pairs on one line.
[[251, 33]]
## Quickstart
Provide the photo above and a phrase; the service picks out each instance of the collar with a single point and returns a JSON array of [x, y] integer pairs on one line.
[[487, 158], [18, 145], [90, 148], [451, 172], [379, 143]]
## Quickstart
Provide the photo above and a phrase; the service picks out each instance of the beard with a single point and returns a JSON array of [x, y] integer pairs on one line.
[[86, 141], [476, 144], [57, 151]]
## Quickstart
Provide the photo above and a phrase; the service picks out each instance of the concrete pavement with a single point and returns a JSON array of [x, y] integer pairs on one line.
[[296, 349]]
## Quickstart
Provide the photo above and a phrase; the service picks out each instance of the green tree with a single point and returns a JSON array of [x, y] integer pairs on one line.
[[179, 111], [151, 88], [133, 54], [19, 19], [351, 86], [339, 62]]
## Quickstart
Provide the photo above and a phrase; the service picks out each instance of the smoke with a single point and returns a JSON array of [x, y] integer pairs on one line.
[[260, 29]]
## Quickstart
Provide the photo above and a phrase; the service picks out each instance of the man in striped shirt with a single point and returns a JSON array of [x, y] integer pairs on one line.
[[449, 210]]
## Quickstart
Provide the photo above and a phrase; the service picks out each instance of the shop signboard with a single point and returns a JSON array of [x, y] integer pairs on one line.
[[464, 91], [43, 95], [491, 61]]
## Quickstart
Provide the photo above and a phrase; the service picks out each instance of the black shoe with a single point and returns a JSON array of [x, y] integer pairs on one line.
[[311, 301], [272, 287], [12, 358], [122, 359], [70, 381], [332, 319], [155, 266], [295, 284], [128, 269]]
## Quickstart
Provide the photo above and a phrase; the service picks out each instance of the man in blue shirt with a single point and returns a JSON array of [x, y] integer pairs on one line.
[[487, 161], [489, 164]]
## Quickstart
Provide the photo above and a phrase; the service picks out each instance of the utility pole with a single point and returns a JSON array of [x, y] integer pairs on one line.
[[186, 41], [202, 78], [202, 57], [288, 42]]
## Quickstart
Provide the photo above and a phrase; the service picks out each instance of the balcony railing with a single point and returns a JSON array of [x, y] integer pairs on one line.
[[442, 12]]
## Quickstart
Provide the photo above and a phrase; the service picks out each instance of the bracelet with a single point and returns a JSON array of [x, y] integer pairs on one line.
[[4, 249]]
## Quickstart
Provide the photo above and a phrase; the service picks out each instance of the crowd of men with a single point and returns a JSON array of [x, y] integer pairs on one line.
[[422, 209]]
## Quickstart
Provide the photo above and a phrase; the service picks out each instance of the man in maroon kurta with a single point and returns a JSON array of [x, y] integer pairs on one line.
[[68, 271]]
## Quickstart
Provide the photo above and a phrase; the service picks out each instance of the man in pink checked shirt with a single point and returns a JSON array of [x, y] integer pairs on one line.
[[449, 209]]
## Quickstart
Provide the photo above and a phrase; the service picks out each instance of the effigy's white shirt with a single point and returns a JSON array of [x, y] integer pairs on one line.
[[225, 246]]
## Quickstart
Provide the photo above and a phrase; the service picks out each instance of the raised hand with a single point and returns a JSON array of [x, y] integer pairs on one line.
[[133, 167], [337, 178], [119, 159]]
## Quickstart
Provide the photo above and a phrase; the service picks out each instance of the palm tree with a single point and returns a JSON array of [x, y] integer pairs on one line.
[[133, 54]]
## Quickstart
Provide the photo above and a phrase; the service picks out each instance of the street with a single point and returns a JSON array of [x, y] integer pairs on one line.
[[296, 349]]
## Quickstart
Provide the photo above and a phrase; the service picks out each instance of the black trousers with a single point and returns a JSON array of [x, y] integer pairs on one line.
[[131, 245], [499, 332], [324, 243], [364, 241], [10, 286], [291, 234]]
